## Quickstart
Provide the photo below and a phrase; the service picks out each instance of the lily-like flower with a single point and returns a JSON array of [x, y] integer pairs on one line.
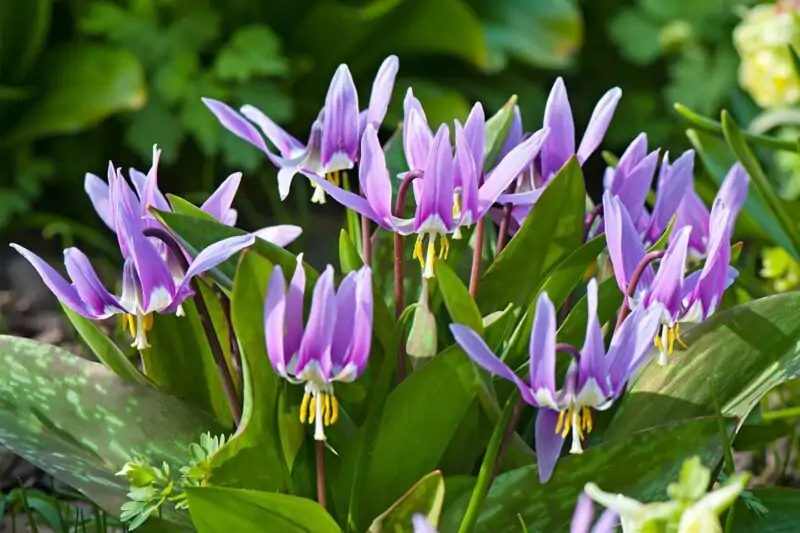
[[584, 514], [333, 346], [693, 212], [333, 143], [632, 177], [149, 285], [437, 214], [595, 378], [674, 182], [678, 299], [218, 205]]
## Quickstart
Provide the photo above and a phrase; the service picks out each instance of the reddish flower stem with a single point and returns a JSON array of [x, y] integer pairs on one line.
[[625, 310]]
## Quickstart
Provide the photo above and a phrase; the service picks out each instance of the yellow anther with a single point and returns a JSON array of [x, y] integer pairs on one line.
[[586, 419], [148, 321], [560, 421], [670, 341], [304, 407], [312, 410], [657, 342], [418, 251], [567, 421], [327, 409], [444, 247], [335, 409], [456, 205], [129, 324], [333, 177]]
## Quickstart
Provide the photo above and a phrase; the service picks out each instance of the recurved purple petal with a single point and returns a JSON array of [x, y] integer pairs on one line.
[[350, 200], [63, 290], [152, 194], [548, 442], [97, 191], [583, 514], [476, 349], [630, 345], [514, 136], [435, 207], [693, 212], [632, 187], [607, 523], [674, 181], [598, 123], [625, 247], [275, 320], [542, 353], [560, 144], [593, 383], [466, 178], [288, 146], [373, 175], [667, 288], [382, 91], [219, 203], [282, 235], [361, 332], [711, 283], [734, 190], [417, 135], [340, 122], [509, 168], [316, 343], [216, 254], [294, 312], [475, 133], [90, 289], [234, 123], [632, 156]]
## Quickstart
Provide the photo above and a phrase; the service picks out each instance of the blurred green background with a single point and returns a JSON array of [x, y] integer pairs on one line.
[[85, 81]]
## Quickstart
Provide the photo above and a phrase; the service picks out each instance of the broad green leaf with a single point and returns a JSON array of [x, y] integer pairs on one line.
[[782, 504], [558, 286], [195, 234], [25, 27], [104, 348], [113, 76], [718, 159], [417, 423], [185, 207], [553, 229], [541, 34], [639, 466], [746, 351], [236, 61], [80, 422], [179, 360], [254, 457], [425, 498], [349, 259], [497, 127], [739, 146], [460, 305], [248, 511]]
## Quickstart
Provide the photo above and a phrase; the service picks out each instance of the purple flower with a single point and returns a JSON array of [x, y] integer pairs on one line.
[[149, 283], [218, 205], [692, 212], [333, 345], [633, 176], [584, 513], [674, 182], [442, 207], [667, 290], [595, 377], [333, 142]]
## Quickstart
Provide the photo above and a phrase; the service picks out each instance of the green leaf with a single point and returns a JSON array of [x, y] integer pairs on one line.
[[112, 76], [718, 159], [423, 334], [712, 126], [180, 361], [25, 27], [79, 422], [609, 299], [417, 423], [254, 457], [252, 51], [425, 497], [460, 305], [746, 350], [541, 34], [748, 159], [349, 258], [701, 80], [636, 36], [783, 505], [248, 511], [185, 207], [497, 127], [639, 466], [554, 228], [104, 348], [558, 286], [156, 123]]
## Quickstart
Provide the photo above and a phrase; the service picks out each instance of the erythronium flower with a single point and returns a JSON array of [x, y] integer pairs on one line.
[[333, 346], [584, 513], [632, 177], [149, 285], [674, 181], [693, 212], [676, 297], [218, 205], [333, 143], [595, 378], [437, 215]]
